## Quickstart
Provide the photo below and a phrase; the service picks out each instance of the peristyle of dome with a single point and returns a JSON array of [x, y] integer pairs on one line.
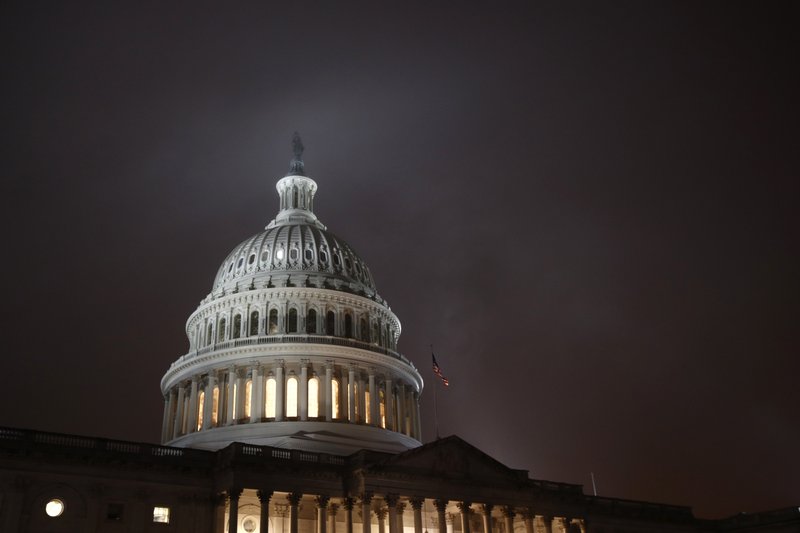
[[293, 347]]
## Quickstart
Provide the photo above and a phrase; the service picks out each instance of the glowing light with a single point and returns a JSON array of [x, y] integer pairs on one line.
[[54, 508]]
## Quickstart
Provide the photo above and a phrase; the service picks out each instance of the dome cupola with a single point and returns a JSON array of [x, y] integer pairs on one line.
[[293, 347]]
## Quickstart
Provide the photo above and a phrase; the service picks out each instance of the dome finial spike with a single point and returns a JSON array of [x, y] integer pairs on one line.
[[296, 167]]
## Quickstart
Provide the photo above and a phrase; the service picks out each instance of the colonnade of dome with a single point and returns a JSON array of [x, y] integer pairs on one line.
[[293, 347]]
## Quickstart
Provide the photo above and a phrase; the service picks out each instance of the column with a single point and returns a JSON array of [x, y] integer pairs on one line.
[[486, 509], [193, 406], [332, 510], [351, 395], [241, 381], [362, 413], [415, 413], [208, 404], [178, 427], [233, 510], [230, 399], [264, 497], [322, 510], [547, 521], [401, 408], [328, 390], [373, 402], [280, 391], [441, 507], [348, 504], [302, 390], [391, 503], [366, 517], [401, 507], [416, 505], [294, 501], [165, 421], [389, 395], [257, 399], [465, 508], [508, 515], [528, 517], [381, 514], [170, 417]]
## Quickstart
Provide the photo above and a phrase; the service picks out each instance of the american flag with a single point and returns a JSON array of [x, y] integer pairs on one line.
[[438, 371]]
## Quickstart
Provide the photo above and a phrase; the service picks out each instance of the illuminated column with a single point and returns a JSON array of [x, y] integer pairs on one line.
[[351, 394], [391, 504], [178, 427], [366, 517], [487, 517], [322, 510], [209, 402], [528, 517], [381, 514], [233, 510], [332, 510], [241, 393], [547, 522], [416, 505], [389, 395], [441, 521], [401, 408], [193, 406], [230, 399], [508, 515], [401, 508], [257, 397], [373, 402], [348, 504], [328, 390], [464, 507], [302, 390], [294, 501], [280, 391], [264, 497], [362, 412]]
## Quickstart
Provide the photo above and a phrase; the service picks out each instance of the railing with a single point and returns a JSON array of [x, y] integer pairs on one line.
[[294, 338], [246, 451]]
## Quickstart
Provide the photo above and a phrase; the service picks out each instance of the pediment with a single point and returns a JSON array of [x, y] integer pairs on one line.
[[452, 458]]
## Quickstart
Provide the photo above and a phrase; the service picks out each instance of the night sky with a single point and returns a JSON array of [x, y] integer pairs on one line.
[[589, 209]]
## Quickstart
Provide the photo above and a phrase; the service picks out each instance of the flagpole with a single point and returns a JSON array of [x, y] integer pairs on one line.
[[435, 407]]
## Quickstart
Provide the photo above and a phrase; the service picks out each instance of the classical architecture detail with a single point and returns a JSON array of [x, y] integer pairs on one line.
[[293, 347]]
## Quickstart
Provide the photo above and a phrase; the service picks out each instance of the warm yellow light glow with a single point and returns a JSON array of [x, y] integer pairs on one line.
[[355, 400], [54, 508], [248, 397], [382, 395], [269, 404], [161, 515], [201, 402], [335, 398], [291, 396], [368, 413], [215, 406], [313, 397]]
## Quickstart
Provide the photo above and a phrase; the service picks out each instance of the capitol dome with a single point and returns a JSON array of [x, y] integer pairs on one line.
[[293, 347]]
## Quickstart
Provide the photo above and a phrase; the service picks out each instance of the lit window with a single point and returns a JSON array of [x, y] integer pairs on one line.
[[201, 401], [270, 401], [249, 524], [367, 404], [313, 397], [291, 396], [215, 406], [248, 397], [382, 395], [161, 515], [335, 398], [279, 254], [54, 508]]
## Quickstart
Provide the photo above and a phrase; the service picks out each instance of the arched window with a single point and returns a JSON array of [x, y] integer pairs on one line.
[[269, 403], [254, 323], [201, 402], [313, 397], [209, 333], [248, 397], [311, 321], [215, 406], [237, 326], [375, 336], [348, 326], [330, 323], [382, 395], [292, 320], [335, 411], [364, 330], [273, 321], [221, 330], [294, 196], [291, 396]]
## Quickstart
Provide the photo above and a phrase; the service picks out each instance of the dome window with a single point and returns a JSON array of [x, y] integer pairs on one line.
[[240, 263], [279, 254], [323, 256], [347, 263], [336, 260], [251, 259], [230, 267], [265, 256], [254, 323], [311, 321], [309, 254], [293, 254]]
